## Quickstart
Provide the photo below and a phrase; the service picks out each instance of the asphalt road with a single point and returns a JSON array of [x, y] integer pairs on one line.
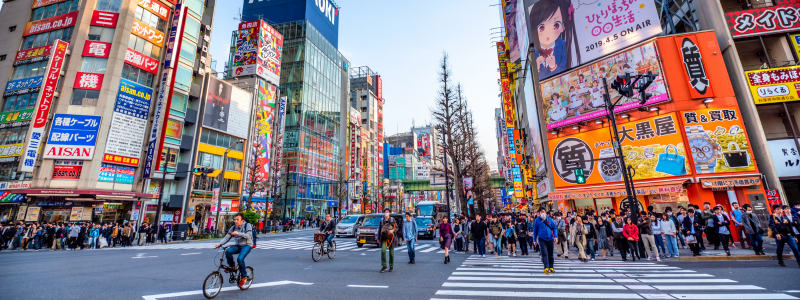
[[284, 270]]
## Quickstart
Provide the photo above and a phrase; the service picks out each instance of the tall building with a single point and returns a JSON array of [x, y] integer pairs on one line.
[[88, 132], [322, 14], [366, 96]]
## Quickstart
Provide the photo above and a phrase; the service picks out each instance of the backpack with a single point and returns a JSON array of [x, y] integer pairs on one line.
[[387, 231], [255, 233]]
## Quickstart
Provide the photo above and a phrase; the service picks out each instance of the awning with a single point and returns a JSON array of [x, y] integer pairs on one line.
[[116, 195], [618, 190], [727, 184]]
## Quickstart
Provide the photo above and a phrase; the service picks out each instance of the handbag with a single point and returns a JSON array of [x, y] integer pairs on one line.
[[736, 158], [672, 164], [690, 239]]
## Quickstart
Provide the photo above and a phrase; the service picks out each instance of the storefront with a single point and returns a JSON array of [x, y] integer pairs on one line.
[[70, 205]]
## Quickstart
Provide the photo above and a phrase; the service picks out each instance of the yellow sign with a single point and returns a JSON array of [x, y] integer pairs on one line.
[[774, 85], [11, 150], [796, 43]]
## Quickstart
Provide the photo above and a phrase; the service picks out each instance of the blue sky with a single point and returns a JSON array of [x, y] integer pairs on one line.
[[403, 41]]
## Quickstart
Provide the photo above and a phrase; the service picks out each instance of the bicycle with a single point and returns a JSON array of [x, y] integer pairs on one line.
[[213, 283], [321, 247]]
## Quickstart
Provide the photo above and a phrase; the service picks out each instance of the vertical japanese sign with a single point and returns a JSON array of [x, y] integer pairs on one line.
[[43, 104], [128, 124], [280, 126], [72, 137], [508, 98], [693, 67]]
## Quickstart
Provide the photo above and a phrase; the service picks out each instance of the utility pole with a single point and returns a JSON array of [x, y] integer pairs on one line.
[[629, 189]]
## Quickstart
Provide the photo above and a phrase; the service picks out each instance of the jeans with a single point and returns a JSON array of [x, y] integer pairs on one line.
[[36, 242], [660, 243], [383, 254], [243, 252], [481, 244], [590, 247], [330, 240], [92, 242], [681, 238], [523, 245], [498, 245], [16, 242], [757, 241], [546, 249], [410, 246], [672, 244], [792, 245], [723, 239]]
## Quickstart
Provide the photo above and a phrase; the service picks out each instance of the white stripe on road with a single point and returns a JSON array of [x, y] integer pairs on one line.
[[524, 270], [668, 275], [533, 286], [686, 280], [708, 287], [582, 280], [200, 292], [539, 294], [428, 250], [369, 286], [733, 296], [526, 274], [191, 253]]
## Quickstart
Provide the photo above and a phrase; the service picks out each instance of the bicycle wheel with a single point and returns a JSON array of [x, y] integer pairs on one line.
[[332, 250], [249, 281], [212, 285], [316, 252]]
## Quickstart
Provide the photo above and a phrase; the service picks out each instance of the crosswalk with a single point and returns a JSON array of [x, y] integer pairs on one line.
[[299, 243], [504, 278]]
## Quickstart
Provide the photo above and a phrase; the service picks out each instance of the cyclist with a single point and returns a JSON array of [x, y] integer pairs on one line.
[[328, 227], [243, 232]]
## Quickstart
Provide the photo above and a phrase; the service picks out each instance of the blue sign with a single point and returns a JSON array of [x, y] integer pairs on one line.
[[322, 14], [133, 99], [24, 83], [333, 203], [76, 130], [470, 201], [55, 203], [116, 173]]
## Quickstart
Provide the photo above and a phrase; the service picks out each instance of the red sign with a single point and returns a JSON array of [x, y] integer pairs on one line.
[[69, 152], [40, 3], [49, 85], [141, 61], [104, 18], [122, 160], [773, 198], [155, 7], [176, 215], [67, 172], [96, 49], [379, 87], [783, 17], [694, 69], [88, 81], [774, 76], [50, 24], [34, 52]]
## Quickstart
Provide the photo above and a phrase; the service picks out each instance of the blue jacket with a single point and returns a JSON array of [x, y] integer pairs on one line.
[[545, 230], [410, 229]]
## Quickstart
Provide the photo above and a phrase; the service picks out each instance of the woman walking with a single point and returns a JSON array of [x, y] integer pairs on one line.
[[524, 236], [446, 237], [511, 237], [670, 233], [604, 234], [458, 230], [578, 238], [631, 233], [656, 226]]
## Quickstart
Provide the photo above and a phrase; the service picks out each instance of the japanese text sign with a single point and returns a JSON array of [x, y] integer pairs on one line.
[[717, 140], [128, 123], [141, 61], [506, 88], [43, 104], [33, 52], [148, 33], [774, 85], [156, 8], [50, 24], [15, 116], [88, 81], [25, 83], [694, 69], [785, 157], [72, 137], [783, 17], [116, 173], [96, 49], [40, 3], [653, 146], [104, 19]]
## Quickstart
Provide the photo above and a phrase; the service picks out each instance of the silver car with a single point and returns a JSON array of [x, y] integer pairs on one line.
[[348, 226]]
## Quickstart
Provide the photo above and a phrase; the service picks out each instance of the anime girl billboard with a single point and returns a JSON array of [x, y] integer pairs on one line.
[[569, 33]]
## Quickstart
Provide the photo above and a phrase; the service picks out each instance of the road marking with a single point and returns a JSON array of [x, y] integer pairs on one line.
[[533, 286], [191, 253], [667, 275], [583, 280], [539, 294], [368, 286], [526, 274], [527, 270], [200, 292], [733, 296], [428, 250], [686, 280], [141, 255], [708, 287]]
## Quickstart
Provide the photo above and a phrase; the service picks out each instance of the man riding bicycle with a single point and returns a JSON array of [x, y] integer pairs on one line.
[[244, 243], [328, 227]]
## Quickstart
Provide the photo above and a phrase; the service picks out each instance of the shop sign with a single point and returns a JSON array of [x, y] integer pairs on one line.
[[122, 160], [11, 150], [785, 157], [693, 67], [155, 7], [234, 205], [72, 137], [729, 183], [577, 96], [21, 212], [783, 17], [32, 214], [135, 215], [774, 198], [96, 49], [795, 40], [174, 129], [8, 197], [176, 215], [112, 206], [55, 203], [67, 172], [50, 24], [128, 124], [88, 81], [43, 104], [774, 85], [18, 118], [116, 173], [653, 146], [25, 83], [717, 140], [148, 33], [22, 91], [14, 185], [32, 55], [104, 19], [141, 61], [40, 3]]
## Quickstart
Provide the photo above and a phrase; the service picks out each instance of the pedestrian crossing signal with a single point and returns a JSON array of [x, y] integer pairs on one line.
[[579, 177]]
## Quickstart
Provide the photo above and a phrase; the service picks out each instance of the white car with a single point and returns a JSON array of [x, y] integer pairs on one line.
[[349, 225]]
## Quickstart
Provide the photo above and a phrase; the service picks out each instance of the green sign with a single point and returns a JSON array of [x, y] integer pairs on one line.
[[579, 177], [16, 116]]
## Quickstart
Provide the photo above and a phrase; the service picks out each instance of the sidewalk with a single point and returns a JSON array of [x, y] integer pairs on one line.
[[736, 253]]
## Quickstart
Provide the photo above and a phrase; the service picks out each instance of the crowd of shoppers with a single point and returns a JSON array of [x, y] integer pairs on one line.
[[23, 236]]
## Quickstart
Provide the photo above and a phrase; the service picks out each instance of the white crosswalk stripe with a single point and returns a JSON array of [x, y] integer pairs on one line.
[[503, 278]]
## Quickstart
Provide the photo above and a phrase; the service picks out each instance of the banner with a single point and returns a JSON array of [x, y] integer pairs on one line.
[[141, 61], [25, 83], [33, 52], [104, 19], [96, 49], [128, 123], [88, 81], [653, 146], [15, 116], [578, 95], [72, 137], [50, 24], [43, 104], [783, 17], [218, 105], [148, 33], [258, 51], [569, 33], [509, 113], [263, 129], [116, 173], [785, 157], [64, 169], [717, 140], [774, 85], [155, 7]]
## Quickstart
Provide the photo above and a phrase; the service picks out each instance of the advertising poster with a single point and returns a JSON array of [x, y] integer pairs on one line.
[[174, 129], [569, 33], [774, 85], [65, 169], [795, 39], [76, 214], [246, 47], [717, 140], [116, 173], [262, 131], [72, 137], [535, 132], [522, 30], [128, 123], [510, 18], [269, 53], [218, 105], [783, 17], [32, 214], [653, 146], [785, 157], [258, 51], [509, 113], [577, 96]]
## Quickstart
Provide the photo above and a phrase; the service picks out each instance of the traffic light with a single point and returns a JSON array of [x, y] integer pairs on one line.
[[623, 85], [645, 82], [580, 178], [203, 171]]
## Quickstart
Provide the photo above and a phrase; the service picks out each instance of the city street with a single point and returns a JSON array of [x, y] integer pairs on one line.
[[284, 269]]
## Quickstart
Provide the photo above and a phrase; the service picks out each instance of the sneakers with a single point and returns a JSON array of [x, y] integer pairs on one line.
[[658, 259], [547, 271], [383, 269], [592, 259], [648, 258], [391, 269], [552, 270], [515, 254], [566, 257], [242, 281]]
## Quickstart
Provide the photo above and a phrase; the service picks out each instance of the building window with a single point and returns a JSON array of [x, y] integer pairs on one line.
[[94, 64], [195, 7], [188, 51], [231, 186], [183, 78], [137, 75], [84, 97], [2, 57], [170, 158], [12, 28], [29, 70], [144, 47], [220, 140], [209, 160], [20, 102], [102, 34], [150, 19], [38, 40], [11, 136], [234, 165], [55, 10], [109, 5], [179, 102], [192, 30]]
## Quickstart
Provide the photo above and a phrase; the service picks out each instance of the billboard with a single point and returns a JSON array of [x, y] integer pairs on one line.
[[510, 18], [785, 157], [323, 14], [509, 113], [783, 17], [570, 33], [263, 129], [717, 140], [128, 123], [577, 96], [72, 137], [653, 146], [774, 85], [258, 51], [535, 132], [227, 108], [50, 24]]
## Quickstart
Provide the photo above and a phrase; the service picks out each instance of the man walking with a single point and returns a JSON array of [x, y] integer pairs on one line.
[[386, 232], [619, 238], [496, 229], [410, 236], [74, 231], [710, 229], [544, 234], [752, 227], [736, 218], [478, 230], [142, 234]]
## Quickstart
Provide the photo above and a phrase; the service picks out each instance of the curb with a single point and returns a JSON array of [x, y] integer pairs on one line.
[[736, 257]]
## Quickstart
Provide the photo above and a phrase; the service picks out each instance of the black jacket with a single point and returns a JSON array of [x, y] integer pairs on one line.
[[328, 226], [778, 226], [592, 234], [608, 230], [725, 222]]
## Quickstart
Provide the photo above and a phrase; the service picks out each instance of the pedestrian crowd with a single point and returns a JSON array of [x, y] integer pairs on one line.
[[23, 236]]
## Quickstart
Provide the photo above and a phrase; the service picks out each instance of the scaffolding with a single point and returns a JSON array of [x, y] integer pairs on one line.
[[363, 78]]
